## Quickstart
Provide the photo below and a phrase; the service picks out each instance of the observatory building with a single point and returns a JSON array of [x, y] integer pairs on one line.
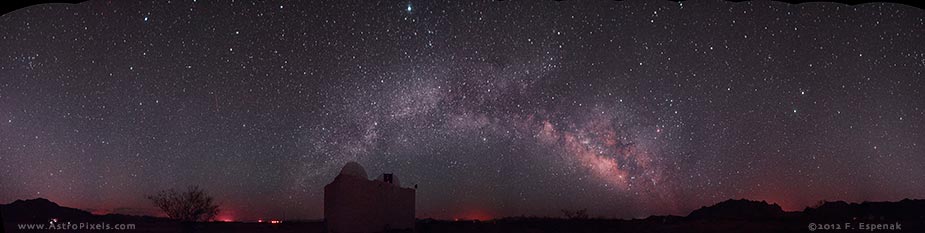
[[355, 204]]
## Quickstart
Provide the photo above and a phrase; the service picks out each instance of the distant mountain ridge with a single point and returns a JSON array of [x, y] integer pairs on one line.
[[42, 210], [906, 209], [738, 209]]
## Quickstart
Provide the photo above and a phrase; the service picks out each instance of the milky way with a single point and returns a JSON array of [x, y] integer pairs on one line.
[[492, 109]]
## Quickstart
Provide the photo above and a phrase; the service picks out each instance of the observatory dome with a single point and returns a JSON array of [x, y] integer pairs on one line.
[[354, 169]]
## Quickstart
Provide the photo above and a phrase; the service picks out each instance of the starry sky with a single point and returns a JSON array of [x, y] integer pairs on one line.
[[626, 108]]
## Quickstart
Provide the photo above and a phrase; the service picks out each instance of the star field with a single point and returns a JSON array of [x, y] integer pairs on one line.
[[627, 108]]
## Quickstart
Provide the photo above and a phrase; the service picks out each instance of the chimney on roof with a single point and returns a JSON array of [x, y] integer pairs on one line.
[[387, 177]]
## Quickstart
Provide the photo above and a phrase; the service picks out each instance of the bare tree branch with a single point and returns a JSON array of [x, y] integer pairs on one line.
[[194, 205]]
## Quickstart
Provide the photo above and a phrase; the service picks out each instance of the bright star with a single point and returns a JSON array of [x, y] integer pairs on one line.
[[408, 9]]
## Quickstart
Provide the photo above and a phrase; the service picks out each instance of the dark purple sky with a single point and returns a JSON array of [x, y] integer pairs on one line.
[[627, 108]]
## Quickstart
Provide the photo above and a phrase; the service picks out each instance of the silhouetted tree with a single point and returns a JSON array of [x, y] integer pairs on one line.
[[194, 205], [578, 214]]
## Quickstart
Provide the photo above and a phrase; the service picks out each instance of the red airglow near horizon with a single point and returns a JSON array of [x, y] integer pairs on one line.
[[773, 192], [473, 214], [226, 214], [485, 215], [770, 192], [223, 217]]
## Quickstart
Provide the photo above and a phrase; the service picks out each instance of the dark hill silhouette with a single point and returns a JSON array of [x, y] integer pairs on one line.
[[738, 209], [41, 209], [908, 210]]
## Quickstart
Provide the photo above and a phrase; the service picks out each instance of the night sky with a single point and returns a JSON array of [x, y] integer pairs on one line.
[[493, 109]]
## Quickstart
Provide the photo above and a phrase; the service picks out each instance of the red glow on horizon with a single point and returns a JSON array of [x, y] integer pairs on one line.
[[473, 215], [224, 217], [780, 194], [100, 212]]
